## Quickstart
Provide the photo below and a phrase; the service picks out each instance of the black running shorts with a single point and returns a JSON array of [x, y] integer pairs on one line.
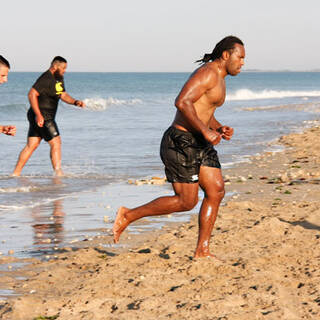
[[47, 132], [183, 153]]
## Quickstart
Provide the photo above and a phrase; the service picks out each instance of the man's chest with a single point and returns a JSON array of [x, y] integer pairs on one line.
[[217, 95], [54, 89]]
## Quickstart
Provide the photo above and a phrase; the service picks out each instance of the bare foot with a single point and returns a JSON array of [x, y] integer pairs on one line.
[[58, 173], [207, 255], [203, 255], [120, 223], [15, 174]]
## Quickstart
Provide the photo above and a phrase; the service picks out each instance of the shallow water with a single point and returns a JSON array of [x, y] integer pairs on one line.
[[117, 138]]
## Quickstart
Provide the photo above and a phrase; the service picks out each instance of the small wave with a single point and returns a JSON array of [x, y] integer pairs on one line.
[[32, 188], [239, 159], [307, 107], [267, 108], [100, 104], [32, 204], [19, 189], [4, 207], [246, 94]]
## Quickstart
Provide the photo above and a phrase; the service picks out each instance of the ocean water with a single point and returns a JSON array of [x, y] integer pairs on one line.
[[116, 138]]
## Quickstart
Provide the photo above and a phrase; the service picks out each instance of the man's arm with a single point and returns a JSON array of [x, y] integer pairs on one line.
[[33, 99], [214, 123], [225, 131], [191, 92], [65, 97]]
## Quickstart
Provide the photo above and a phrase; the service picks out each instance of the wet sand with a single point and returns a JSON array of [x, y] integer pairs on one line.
[[267, 234]]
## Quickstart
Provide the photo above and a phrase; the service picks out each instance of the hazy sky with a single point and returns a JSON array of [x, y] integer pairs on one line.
[[162, 35]]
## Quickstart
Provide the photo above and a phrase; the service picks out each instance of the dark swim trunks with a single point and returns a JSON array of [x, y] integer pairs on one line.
[[183, 153], [50, 87], [47, 132]]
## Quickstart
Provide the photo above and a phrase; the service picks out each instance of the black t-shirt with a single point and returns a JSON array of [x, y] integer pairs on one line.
[[49, 88]]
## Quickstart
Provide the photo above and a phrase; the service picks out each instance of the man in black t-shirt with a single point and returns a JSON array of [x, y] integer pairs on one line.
[[44, 97]]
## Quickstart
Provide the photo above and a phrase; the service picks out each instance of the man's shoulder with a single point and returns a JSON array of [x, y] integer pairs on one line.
[[206, 73], [208, 68], [45, 75], [45, 80]]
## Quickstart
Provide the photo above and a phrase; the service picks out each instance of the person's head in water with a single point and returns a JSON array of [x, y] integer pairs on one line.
[[58, 66], [231, 50], [4, 69]]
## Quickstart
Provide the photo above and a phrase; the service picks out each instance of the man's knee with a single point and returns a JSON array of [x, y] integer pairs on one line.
[[32, 146], [221, 193], [55, 147], [55, 143], [217, 191]]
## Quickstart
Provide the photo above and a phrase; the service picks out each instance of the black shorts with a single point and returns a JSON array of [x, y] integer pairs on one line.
[[47, 132], [183, 153]]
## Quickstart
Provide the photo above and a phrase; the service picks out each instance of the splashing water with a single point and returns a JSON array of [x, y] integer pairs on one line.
[[246, 94], [100, 104]]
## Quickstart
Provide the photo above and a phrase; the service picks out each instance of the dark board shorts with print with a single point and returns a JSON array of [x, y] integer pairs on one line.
[[183, 153]]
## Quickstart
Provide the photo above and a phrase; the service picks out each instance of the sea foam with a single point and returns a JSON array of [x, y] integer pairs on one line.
[[100, 104], [19, 189], [247, 94]]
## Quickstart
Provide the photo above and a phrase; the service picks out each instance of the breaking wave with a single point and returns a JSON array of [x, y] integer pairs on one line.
[[247, 94], [100, 104]]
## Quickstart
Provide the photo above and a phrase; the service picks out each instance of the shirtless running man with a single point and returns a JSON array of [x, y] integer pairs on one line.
[[187, 146]]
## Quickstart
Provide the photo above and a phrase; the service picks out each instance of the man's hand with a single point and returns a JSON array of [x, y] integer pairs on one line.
[[40, 120], [212, 136], [226, 132], [9, 130], [79, 103]]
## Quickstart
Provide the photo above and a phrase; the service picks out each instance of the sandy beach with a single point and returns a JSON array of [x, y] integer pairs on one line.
[[266, 239]]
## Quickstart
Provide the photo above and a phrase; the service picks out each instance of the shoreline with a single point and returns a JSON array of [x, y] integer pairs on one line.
[[267, 233]]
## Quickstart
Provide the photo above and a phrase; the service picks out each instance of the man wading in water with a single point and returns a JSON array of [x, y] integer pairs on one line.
[[187, 146], [44, 97]]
